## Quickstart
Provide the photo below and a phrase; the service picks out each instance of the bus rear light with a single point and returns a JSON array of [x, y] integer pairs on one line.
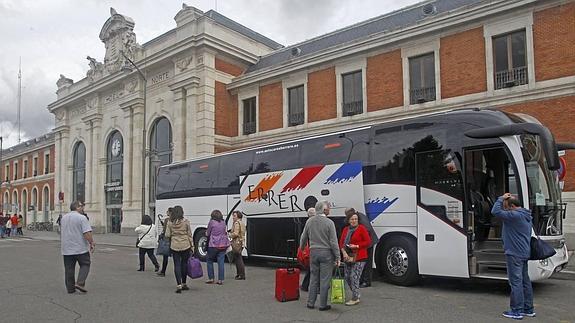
[[205, 166]]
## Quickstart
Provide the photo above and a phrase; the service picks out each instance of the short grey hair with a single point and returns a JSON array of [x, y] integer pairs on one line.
[[311, 212], [75, 205], [321, 206]]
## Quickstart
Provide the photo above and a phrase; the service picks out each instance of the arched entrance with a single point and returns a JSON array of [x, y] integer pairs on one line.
[[114, 184]]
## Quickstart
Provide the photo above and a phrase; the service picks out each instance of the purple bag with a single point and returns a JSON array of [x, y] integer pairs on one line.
[[195, 268]]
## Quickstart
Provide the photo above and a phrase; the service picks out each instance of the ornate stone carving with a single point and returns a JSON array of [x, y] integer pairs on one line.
[[183, 63], [96, 70], [60, 114], [92, 102], [64, 81], [131, 85], [118, 36]]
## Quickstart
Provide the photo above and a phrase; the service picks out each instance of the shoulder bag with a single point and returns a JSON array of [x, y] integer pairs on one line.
[[140, 239]]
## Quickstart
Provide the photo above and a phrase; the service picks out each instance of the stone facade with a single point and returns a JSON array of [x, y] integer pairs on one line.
[[181, 70], [27, 180]]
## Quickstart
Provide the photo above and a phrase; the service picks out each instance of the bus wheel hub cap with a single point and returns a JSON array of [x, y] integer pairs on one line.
[[397, 261], [203, 246]]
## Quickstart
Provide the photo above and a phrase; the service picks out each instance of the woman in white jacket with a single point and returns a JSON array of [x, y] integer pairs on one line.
[[147, 241]]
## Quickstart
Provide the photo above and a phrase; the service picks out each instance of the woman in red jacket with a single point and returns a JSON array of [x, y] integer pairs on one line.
[[353, 243]]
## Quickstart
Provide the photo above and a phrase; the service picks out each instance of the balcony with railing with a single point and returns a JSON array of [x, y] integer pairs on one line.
[[249, 127], [352, 108], [512, 77], [422, 94], [296, 119]]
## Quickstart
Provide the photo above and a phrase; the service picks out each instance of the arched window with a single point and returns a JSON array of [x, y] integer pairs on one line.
[[34, 202], [161, 148], [15, 205], [46, 203], [114, 185], [24, 203], [6, 206], [79, 172]]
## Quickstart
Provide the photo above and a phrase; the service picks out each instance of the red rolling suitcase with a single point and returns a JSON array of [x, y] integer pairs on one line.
[[287, 282]]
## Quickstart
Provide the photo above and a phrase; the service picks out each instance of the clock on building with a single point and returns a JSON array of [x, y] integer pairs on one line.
[[116, 148]]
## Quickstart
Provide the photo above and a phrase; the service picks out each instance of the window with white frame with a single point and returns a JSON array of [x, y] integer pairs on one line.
[[510, 59], [35, 166], [47, 163], [422, 78], [296, 105], [15, 170], [249, 122], [352, 87]]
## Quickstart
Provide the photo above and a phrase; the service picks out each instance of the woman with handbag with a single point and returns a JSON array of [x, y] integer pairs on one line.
[[353, 243], [237, 236], [162, 237], [179, 232], [147, 242], [218, 242]]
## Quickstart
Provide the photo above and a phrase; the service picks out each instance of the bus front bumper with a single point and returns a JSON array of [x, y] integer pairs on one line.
[[543, 269]]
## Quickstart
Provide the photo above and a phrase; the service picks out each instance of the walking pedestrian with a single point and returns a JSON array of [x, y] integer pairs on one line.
[[8, 226], [218, 242], [147, 242], [20, 225], [303, 258], [319, 231], [3, 221], [354, 242], [165, 258], [366, 274], [76, 243], [237, 236], [179, 232], [14, 225], [516, 236]]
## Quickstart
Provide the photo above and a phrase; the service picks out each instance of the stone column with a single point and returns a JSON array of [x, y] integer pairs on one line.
[[180, 125], [205, 113]]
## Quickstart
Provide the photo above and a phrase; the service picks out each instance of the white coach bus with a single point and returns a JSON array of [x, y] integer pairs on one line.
[[426, 183]]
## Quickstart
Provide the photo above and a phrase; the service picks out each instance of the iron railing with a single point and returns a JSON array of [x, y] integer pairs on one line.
[[249, 127], [296, 119], [352, 108], [510, 78], [422, 94]]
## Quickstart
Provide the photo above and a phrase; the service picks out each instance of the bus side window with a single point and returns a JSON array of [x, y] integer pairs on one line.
[[231, 168], [341, 148], [276, 158]]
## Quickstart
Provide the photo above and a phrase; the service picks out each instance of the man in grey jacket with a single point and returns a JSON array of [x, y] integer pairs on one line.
[[324, 254]]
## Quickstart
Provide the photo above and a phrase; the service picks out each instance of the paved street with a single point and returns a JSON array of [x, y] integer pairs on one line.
[[32, 290]]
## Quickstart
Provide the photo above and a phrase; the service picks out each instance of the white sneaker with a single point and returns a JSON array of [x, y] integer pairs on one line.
[[352, 302]]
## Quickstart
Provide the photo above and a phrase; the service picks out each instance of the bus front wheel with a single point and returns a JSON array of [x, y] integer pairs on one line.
[[201, 244], [397, 261]]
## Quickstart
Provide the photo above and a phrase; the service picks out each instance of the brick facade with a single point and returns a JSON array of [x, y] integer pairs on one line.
[[270, 110], [554, 42], [462, 59], [226, 111], [559, 116], [228, 68], [321, 89], [384, 81]]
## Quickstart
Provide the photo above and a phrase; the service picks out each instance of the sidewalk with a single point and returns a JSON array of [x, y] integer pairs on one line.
[[109, 239]]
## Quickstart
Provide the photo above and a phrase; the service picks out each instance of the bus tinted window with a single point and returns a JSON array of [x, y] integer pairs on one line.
[[204, 177], [172, 179], [351, 146], [276, 158], [393, 152], [231, 168]]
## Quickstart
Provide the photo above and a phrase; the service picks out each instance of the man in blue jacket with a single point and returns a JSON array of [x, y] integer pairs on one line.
[[516, 236]]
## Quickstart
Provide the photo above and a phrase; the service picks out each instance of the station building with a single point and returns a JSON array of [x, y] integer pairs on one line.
[[214, 85]]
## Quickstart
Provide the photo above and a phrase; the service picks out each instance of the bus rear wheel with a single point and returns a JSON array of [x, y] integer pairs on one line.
[[201, 244], [397, 261]]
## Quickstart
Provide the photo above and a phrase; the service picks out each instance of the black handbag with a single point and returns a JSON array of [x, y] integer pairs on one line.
[[540, 249]]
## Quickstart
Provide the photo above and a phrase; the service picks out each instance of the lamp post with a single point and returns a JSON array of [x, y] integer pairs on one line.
[[127, 68]]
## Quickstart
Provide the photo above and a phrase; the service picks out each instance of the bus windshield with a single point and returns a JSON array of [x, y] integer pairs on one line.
[[544, 192]]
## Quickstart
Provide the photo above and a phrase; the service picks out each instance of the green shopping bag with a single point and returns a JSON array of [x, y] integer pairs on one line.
[[337, 288]]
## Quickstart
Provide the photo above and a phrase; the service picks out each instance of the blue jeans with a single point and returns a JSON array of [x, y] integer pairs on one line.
[[2, 229], [219, 256], [521, 290]]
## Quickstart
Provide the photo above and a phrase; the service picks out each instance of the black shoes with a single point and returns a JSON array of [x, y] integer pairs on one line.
[[240, 278], [179, 289], [157, 268], [364, 285], [81, 288], [185, 287], [311, 307], [326, 308], [141, 269], [161, 274]]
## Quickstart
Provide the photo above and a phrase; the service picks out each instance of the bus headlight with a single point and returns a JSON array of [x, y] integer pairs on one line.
[[544, 262]]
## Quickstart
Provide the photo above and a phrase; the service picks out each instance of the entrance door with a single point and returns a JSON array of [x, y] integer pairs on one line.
[[114, 220], [442, 241]]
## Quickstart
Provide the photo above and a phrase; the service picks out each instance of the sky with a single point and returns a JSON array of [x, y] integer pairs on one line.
[[53, 37]]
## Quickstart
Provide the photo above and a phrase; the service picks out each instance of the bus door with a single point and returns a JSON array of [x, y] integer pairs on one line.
[[275, 203], [442, 241]]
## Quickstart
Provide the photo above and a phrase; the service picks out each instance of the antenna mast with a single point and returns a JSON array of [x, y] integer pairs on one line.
[[19, 95]]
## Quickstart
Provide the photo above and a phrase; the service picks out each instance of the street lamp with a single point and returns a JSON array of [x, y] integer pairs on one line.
[[127, 68]]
